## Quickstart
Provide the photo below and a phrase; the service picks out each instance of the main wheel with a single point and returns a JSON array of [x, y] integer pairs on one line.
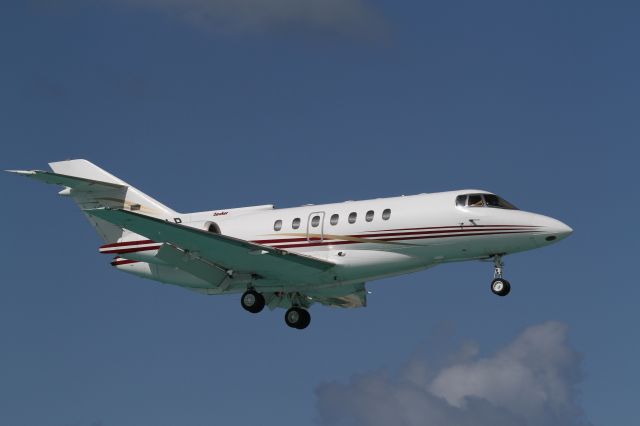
[[500, 286], [297, 318], [252, 301]]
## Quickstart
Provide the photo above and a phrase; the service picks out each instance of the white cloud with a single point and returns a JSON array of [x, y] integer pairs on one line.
[[350, 17], [531, 381]]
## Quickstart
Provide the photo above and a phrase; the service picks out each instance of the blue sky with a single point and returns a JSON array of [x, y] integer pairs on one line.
[[218, 104]]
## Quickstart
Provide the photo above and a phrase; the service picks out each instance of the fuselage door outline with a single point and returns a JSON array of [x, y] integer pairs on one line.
[[315, 225]]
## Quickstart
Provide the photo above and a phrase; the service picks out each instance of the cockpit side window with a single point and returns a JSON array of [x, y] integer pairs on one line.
[[495, 201], [492, 200], [475, 200], [483, 200]]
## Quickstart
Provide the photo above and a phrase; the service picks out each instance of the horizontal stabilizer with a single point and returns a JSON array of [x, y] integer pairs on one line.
[[73, 182], [91, 187]]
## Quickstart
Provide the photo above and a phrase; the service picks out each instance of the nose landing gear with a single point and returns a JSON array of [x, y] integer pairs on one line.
[[499, 285]]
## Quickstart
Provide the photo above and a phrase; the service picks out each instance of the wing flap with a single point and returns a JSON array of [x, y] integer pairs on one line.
[[195, 266], [225, 252]]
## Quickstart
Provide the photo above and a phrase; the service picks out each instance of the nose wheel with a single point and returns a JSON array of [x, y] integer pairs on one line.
[[499, 285], [296, 317]]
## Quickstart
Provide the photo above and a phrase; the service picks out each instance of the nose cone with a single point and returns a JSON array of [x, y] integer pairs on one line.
[[555, 230]]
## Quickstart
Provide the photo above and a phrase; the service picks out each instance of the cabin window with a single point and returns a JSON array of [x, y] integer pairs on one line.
[[475, 200], [334, 219], [386, 214], [277, 225], [352, 217], [296, 223], [315, 221], [369, 216]]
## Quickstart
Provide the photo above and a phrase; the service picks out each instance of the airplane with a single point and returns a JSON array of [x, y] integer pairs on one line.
[[295, 257]]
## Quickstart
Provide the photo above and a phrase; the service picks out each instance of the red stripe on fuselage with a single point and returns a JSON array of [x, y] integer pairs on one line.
[[427, 231], [127, 243], [457, 226], [286, 240], [422, 237], [460, 230], [132, 250]]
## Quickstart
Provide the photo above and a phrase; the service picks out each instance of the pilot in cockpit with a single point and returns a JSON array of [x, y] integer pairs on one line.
[[483, 200]]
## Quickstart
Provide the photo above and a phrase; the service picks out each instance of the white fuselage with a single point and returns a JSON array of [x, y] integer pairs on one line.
[[388, 236]]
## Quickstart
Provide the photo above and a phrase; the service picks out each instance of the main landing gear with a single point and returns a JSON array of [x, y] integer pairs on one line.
[[499, 285], [252, 301], [295, 317]]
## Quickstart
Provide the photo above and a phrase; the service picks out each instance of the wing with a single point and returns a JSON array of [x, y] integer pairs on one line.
[[221, 251]]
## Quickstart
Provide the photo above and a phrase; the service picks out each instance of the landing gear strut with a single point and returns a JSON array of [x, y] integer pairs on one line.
[[296, 317], [499, 285], [252, 301]]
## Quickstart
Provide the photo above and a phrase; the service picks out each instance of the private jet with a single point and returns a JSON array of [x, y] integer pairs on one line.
[[292, 258]]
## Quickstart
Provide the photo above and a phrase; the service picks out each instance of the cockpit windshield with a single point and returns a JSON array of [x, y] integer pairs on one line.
[[484, 200]]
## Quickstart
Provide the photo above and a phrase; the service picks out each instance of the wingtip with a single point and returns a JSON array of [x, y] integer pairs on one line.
[[22, 172]]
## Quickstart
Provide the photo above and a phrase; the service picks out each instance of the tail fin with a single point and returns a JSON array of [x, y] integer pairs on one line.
[[92, 187]]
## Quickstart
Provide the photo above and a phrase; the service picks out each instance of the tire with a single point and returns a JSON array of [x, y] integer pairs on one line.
[[297, 318], [306, 319], [500, 287], [252, 301]]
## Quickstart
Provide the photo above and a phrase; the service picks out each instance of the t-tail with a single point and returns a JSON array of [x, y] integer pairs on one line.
[[92, 187]]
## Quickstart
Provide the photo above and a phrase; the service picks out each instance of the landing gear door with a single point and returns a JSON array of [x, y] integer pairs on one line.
[[315, 227]]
